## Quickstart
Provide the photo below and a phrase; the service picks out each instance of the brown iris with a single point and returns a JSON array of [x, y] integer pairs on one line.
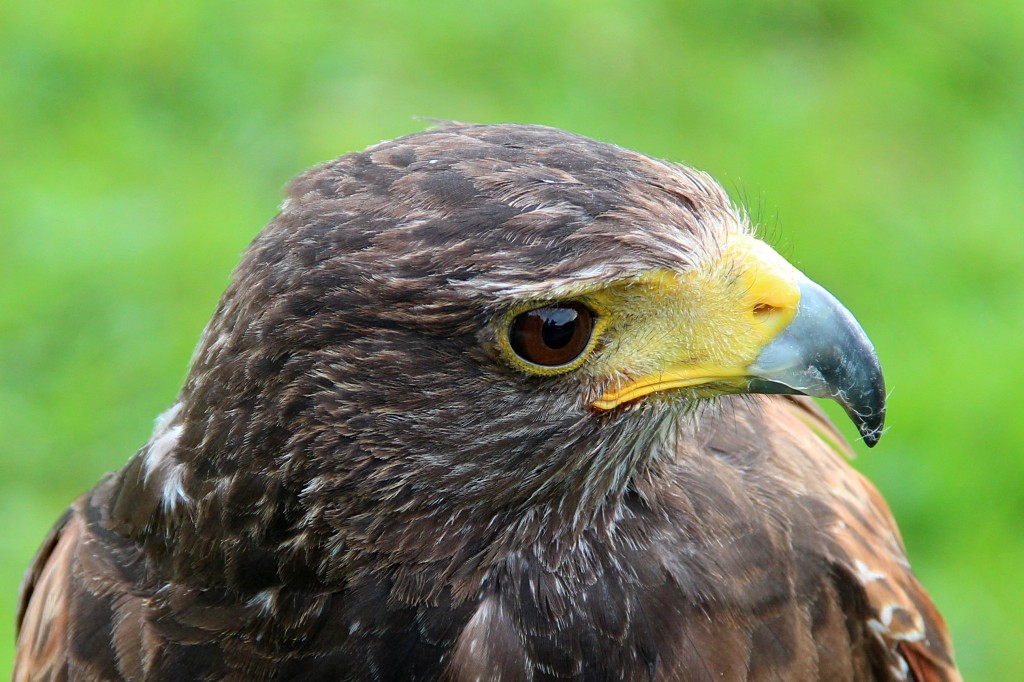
[[552, 336]]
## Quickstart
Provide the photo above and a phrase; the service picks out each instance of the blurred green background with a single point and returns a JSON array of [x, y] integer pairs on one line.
[[142, 145]]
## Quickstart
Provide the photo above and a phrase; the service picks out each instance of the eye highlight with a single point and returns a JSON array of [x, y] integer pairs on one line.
[[553, 335]]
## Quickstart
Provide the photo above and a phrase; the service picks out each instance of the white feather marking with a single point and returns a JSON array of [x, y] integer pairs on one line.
[[159, 461], [866, 575], [166, 417], [877, 627], [159, 448], [264, 599], [173, 492]]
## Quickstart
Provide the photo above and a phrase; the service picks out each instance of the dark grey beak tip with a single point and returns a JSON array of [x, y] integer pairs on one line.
[[871, 427], [863, 394]]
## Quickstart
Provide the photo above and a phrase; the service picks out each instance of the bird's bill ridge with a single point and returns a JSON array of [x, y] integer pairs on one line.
[[785, 334]]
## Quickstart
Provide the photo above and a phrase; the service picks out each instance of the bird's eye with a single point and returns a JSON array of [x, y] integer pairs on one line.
[[552, 336]]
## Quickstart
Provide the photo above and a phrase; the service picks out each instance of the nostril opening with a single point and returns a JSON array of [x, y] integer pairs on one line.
[[762, 309]]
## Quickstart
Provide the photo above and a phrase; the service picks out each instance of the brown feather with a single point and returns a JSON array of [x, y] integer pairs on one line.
[[903, 617], [43, 614]]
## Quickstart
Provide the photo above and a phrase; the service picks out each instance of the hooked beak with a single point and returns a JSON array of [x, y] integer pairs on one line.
[[823, 352]]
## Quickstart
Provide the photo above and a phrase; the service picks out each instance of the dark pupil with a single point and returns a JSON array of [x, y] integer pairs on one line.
[[551, 336], [559, 327]]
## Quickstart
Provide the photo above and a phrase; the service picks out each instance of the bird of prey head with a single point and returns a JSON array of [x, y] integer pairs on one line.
[[498, 402]]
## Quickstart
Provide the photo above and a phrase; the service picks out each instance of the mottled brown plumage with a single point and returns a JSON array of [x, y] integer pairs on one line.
[[358, 483]]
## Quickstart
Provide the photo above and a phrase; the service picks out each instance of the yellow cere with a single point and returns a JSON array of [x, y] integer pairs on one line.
[[669, 330]]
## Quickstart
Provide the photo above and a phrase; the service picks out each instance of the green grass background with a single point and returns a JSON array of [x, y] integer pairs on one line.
[[142, 145]]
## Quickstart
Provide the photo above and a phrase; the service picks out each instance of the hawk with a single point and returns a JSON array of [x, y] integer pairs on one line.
[[497, 402]]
